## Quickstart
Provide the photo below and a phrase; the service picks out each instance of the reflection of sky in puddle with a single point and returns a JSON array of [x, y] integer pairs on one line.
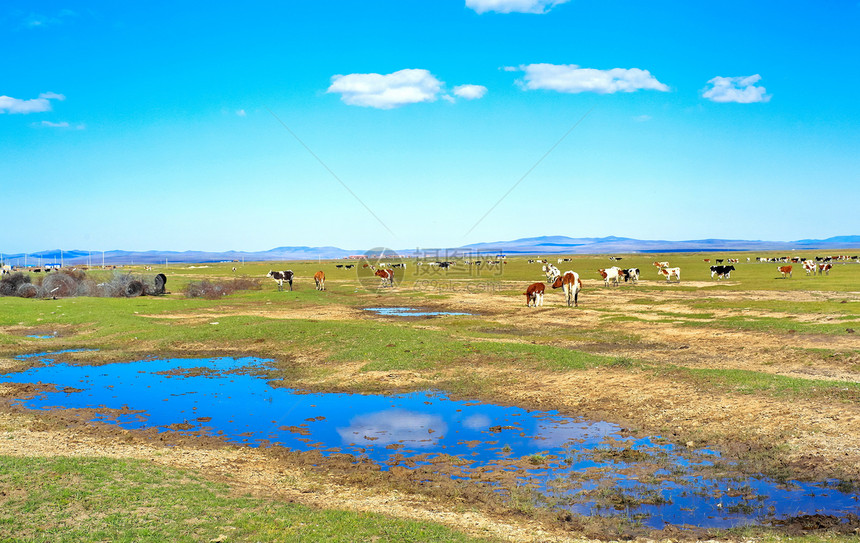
[[408, 312], [227, 397]]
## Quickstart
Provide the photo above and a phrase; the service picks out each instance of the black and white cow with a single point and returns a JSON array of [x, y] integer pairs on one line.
[[722, 271], [631, 274], [280, 277]]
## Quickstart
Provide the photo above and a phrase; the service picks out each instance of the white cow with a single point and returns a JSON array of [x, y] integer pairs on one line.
[[610, 274], [552, 273]]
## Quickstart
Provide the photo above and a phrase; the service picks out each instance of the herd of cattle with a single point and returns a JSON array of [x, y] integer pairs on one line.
[[570, 281]]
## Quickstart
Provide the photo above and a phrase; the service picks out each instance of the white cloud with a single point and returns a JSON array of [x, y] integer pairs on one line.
[[38, 20], [35, 105], [513, 6], [241, 113], [63, 124], [55, 125], [573, 79], [642, 118], [478, 421], [470, 92], [736, 89], [417, 430], [387, 91]]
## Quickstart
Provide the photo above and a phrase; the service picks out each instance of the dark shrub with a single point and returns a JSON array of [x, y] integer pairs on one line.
[[10, 284]]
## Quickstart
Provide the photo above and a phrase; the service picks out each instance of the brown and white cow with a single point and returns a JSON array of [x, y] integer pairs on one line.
[[319, 279], [824, 269], [784, 270], [659, 265], [809, 267], [671, 272], [572, 284], [612, 274], [387, 277], [534, 294]]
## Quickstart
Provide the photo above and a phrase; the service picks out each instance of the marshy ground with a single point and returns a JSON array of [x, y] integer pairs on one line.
[[764, 370]]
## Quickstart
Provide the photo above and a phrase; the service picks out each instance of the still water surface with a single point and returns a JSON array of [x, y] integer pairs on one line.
[[580, 465]]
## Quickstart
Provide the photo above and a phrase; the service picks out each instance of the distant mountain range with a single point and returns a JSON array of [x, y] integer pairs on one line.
[[525, 246]]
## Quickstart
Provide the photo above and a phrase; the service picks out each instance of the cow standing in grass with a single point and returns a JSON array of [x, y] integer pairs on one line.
[[572, 284], [387, 276], [534, 294], [670, 273], [319, 279], [784, 270], [280, 277], [631, 274], [552, 273], [610, 275]]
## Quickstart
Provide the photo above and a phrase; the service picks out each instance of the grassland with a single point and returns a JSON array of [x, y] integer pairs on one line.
[[765, 369]]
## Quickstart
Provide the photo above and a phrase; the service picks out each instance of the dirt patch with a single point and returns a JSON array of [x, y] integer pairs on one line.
[[262, 474]]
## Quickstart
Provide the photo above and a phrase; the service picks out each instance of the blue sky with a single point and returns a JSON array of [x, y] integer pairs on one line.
[[163, 125]]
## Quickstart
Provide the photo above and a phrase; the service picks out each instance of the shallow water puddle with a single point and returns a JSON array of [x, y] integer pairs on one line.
[[409, 312], [584, 466]]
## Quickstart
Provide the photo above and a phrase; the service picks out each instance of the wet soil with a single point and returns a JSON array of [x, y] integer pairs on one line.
[[815, 438]]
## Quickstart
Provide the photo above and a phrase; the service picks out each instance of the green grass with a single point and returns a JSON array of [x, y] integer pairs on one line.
[[777, 324], [780, 386], [99, 499]]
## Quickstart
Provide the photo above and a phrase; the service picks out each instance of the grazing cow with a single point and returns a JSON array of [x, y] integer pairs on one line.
[[809, 267], [706, 259], [338, 266], [824, 269], [387, 277], [551, 272], [572, 284], [722, 271], [280, 277], [349, 266], [534, 294], [319, 279], [659, 265], [610, 274], [718, 260], [784, 270], [671, 272], [631, 274], [5, 269]]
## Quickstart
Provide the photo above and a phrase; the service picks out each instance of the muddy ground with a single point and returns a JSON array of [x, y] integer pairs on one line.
[[814, 438]]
